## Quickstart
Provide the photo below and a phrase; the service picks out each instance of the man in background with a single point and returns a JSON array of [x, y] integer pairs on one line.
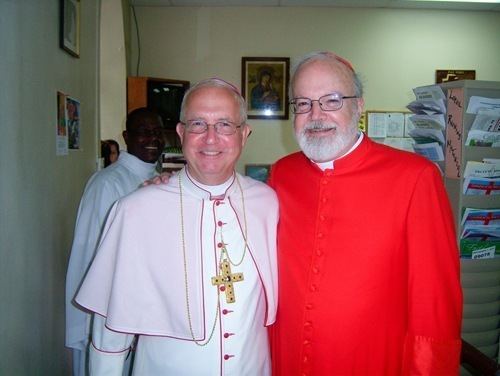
[[189, 267], [369, 278], [143, 136]]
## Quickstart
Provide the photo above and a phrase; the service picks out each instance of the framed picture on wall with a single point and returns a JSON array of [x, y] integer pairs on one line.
[[447, 75], [69, 26], [264, 84], [258, 171]]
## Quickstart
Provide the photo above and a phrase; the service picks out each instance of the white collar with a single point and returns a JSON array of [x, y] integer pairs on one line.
[[215, 190], [206, 192]]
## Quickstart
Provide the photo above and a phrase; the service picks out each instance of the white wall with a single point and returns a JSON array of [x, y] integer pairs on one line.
[[394, 50], [39, 192], [113, 72]]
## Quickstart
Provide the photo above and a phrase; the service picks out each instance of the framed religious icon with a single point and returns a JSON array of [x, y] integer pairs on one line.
[[264, 84], [454, 75], [69, 28]]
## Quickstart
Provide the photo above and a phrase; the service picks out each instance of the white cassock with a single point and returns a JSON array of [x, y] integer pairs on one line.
[[140, 284], [102, 190]]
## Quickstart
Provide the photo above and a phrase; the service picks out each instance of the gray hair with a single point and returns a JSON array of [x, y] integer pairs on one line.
[[331, 57], [215, 82]]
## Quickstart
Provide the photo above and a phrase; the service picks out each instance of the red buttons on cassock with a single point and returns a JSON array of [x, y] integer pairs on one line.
[[225, 311], [321, 217], [319, 252], [315, 270], [309, 306], [324, 182], [313, 288], [219, 245], [226, 357], [324, 199], [305, 359], [226, 335], [217, 202], [306, 342], [320, 235], [222, 288], [308, 325], [219, 223]]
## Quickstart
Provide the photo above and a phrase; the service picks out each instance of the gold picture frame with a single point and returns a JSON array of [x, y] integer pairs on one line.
[[264, 84]]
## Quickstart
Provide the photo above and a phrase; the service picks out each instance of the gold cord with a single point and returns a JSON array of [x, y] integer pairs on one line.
[[224, 249], [186, 279]]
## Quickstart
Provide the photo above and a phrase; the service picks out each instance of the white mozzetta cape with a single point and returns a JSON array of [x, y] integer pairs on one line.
[[137, 278]]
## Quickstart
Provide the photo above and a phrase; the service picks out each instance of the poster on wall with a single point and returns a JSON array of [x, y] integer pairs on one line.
[[73, 122], [61, 128]]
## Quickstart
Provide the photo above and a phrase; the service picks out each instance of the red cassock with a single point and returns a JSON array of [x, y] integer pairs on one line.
[[369, 280]]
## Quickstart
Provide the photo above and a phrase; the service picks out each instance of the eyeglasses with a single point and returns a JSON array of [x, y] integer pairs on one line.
[[224, 127], [329, 102], [144, 132]]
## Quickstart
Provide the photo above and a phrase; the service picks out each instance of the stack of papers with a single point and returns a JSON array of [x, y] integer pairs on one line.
[[485, 130], [482, 178], [480, 237], [428, 122]]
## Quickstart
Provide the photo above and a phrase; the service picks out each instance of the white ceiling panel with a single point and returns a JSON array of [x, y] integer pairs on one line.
[[449, 5]]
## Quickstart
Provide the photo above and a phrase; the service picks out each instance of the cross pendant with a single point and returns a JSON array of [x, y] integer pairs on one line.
[[226, 279]]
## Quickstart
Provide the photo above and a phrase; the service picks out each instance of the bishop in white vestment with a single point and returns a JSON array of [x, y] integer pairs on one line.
[[189, 268]]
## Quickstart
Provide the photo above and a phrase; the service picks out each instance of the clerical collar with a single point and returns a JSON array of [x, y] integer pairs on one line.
[[330, 164], [131, 162], [215, 190]]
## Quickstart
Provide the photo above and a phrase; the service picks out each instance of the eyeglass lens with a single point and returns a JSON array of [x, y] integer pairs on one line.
[[221, 127], [329, 102]]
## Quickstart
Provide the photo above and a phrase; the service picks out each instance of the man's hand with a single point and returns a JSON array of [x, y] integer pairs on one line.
[[163, 178]]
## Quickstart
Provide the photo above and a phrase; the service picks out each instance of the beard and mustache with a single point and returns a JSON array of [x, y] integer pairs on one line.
[[322, 147]]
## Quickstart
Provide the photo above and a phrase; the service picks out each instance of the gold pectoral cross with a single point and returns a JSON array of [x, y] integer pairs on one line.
[[226, 279]]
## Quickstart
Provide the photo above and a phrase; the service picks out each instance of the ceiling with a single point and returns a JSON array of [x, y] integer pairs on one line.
[[491, 5]]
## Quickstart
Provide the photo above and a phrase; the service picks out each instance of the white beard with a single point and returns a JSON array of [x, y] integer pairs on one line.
[[326, 148]]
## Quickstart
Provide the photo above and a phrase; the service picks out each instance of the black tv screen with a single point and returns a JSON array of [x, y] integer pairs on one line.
[[166, 98]]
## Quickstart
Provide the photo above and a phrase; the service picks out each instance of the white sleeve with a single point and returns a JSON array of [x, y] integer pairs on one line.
[[108, 349]]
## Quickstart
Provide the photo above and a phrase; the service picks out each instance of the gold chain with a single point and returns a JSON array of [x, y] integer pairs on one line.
[[224, 249], [186, 279]]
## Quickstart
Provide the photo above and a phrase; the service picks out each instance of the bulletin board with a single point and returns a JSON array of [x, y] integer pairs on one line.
[[390, 127]]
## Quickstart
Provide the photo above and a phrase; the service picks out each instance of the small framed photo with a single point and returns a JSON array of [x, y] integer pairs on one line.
[[264, 84], [258, 171], [69, 28], [447, 75]]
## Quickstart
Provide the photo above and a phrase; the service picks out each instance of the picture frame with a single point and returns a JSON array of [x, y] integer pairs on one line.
[[69, 27], [264, 85], [258, 171]]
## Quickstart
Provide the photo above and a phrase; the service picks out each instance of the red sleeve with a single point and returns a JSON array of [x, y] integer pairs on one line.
[[432, 346]]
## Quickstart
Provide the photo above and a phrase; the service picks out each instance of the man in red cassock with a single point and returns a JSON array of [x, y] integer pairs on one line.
[[369, 280]]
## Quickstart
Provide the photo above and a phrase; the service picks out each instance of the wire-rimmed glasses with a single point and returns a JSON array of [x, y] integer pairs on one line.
[[222, 127], [328, 102]]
